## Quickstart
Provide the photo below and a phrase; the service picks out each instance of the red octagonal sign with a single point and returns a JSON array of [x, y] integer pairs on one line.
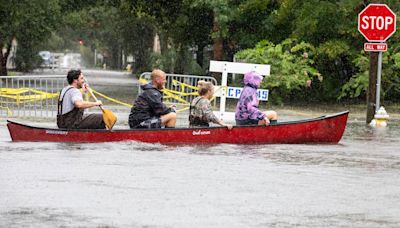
[[377, 22]]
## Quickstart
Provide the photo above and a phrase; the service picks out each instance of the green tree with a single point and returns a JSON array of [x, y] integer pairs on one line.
[[357, 86], [251, 22], [180, 25], [291, 66], [30, 22]]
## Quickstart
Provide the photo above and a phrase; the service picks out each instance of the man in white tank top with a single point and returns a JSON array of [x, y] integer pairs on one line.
[[71, 105]]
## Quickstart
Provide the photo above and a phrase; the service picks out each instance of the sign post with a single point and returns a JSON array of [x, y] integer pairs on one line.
[[376, 23]]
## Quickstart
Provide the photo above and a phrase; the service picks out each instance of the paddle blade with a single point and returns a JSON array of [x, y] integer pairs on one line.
[[109, 118]]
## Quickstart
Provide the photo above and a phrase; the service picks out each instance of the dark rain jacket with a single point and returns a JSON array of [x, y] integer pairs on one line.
[[147, 105]]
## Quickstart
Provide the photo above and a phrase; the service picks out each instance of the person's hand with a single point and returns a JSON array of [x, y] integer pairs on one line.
[[98, 103], [266, 121], [85, 87], [173, 107], [229, 126]]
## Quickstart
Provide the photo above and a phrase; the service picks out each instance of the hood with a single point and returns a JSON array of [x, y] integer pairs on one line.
[[252, 79], [147, 86]]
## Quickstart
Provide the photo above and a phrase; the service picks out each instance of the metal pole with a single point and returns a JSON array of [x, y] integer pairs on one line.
[[224, 83], [378, 82], [123, 59], [95, 58], [233, 74]]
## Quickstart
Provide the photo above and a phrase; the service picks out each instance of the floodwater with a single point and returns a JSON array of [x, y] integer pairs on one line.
[[129, 184]]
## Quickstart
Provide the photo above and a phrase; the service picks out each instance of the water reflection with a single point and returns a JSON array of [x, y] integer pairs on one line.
[[46, 217]]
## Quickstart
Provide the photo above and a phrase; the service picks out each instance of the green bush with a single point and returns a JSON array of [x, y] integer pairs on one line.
[[291, 66]]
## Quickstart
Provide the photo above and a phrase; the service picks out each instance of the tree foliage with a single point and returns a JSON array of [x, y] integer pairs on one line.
[[30, 22], [291, 66], [325, 30]]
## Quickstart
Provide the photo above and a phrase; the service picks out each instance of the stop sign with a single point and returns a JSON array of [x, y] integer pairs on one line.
[[377, 22]]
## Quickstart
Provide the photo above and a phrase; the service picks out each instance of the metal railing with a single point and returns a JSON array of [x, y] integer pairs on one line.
[[30, 95], [182, 84], [36, 95]]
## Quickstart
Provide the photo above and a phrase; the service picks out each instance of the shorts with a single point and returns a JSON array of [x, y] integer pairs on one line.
[[246, 122], [154, 122]]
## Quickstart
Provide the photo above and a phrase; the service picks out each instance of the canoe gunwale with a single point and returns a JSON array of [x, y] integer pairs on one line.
[[323, 117]]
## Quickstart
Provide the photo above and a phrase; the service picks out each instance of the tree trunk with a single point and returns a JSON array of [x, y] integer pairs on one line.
[[142, 58], [181, 61], [371, 92], [3, 66], [218, 49], [163, 42], [200, 54], [3, 61], [218, 46], [231, 49], [119, 58], [114, 63]]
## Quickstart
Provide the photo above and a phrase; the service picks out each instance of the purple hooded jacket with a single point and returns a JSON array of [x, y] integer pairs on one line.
[[247, 106]]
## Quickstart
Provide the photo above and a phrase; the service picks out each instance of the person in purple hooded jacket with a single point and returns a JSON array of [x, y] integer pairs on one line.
[[247, 112]]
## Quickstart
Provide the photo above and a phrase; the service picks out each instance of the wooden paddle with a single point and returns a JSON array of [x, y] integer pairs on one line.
[[109, 117]]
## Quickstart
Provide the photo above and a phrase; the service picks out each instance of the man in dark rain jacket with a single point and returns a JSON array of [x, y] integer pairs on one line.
[[148, 110]]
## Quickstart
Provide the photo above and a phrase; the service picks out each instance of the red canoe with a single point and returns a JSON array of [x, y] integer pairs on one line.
[[324, 129]]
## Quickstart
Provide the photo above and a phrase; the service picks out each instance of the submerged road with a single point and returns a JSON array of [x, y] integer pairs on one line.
[[131, 184]]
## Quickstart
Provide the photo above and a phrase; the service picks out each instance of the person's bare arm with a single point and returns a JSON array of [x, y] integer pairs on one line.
[[87, 104], [229, 126]]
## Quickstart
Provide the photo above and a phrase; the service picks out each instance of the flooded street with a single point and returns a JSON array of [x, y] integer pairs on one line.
[[131, 184], [300, 68]]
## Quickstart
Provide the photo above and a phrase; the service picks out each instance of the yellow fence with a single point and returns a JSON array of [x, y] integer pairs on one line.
[[19, 96], [179, 89], [178, 92]]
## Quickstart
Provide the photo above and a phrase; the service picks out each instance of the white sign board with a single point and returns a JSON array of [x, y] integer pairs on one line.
[[234, 92], [238, 68]]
